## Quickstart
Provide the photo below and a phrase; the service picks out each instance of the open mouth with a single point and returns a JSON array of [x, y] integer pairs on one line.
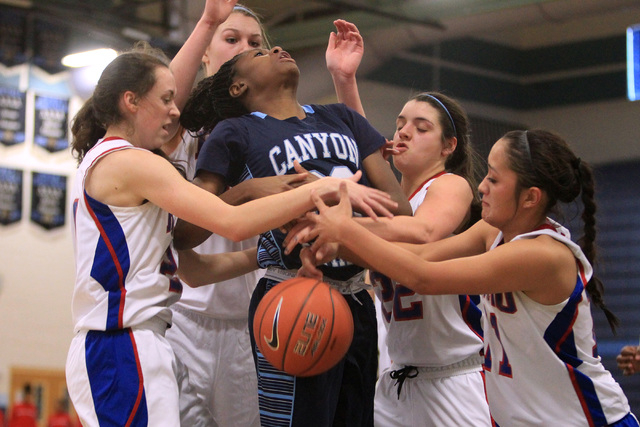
[[284, 55]]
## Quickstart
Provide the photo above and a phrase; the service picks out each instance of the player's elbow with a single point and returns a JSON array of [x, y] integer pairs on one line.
[[404, 208], [183, 241], [422, 235], [418, 283], [187, 236], [237, 234]]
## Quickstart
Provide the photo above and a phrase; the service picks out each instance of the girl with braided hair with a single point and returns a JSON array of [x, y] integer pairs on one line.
[[258, 129], [120, 368], [541, 363]]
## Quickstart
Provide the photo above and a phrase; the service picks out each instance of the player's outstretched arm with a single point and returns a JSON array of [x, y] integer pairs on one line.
[[186, 63], [161, 184], [187, 235]]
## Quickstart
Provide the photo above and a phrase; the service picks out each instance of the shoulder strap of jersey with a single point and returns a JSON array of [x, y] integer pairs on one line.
[[553, 229], [101, 149]]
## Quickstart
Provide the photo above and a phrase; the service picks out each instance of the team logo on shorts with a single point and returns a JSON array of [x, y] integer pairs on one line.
[[273, 341]]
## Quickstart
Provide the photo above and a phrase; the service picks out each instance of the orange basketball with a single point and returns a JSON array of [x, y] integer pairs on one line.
[[303, 326]]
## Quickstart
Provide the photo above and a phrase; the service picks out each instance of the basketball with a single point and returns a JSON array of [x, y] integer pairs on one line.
[[303, 326]]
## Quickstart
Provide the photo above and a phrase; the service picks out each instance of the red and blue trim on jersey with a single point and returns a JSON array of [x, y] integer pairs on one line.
[[560, 338], [111, 262], [471, 313]]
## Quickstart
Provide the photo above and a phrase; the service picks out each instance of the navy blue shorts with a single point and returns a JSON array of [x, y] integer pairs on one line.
[[342, 396]]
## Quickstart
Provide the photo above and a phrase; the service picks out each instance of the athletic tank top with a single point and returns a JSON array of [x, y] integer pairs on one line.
[[428, 330], [125, 269], [541, 361]]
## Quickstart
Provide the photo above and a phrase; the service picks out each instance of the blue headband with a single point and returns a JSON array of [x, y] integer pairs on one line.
[[455, 132], [240, 8]]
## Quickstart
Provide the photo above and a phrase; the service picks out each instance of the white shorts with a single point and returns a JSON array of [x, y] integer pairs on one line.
[[114, 377], [444, 401], [218, 354], [384, 360]]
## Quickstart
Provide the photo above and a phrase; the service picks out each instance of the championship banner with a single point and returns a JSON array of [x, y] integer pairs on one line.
[[12, 116], [48, 199], [10, 196], [50, 128]]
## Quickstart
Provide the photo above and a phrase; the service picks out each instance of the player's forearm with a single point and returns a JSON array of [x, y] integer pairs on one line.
[[368, 250], [202, 269], [187, 61], [347, 92], [187, 235], [268, 213], [401, 228], [238, 194]]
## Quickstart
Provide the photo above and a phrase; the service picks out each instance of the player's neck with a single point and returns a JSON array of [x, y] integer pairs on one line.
[[281, 107]]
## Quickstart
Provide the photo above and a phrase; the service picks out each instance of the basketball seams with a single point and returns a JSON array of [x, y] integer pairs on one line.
[[295, 325], [327, 341]]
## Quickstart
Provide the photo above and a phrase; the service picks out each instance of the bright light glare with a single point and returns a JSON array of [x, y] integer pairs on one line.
[[92, 57]]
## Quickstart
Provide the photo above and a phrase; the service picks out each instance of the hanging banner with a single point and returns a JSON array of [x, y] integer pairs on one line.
[[48, 199], [50, 124], [10, 196], [12, 115]]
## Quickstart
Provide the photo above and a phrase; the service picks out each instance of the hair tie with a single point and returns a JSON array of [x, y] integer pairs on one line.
[[455, 132]]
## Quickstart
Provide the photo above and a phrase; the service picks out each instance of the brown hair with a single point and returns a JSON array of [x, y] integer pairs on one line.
[[543, 159], [464, 160], [131, 71]]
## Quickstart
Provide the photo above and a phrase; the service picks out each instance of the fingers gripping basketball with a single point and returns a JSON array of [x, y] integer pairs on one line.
[[303, 326]]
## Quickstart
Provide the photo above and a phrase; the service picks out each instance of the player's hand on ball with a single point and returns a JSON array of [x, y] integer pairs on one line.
[[309, 268]]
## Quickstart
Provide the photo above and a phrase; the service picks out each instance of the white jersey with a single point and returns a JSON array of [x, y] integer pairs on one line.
[[428, 330], [210, 332], [125, 270], [541, 361], [224, 300]]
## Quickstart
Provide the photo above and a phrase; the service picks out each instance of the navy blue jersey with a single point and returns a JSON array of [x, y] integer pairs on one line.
[[332, 140]]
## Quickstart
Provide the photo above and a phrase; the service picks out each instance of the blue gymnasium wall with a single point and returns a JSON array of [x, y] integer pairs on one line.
[[522, 80], [618, 216]]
